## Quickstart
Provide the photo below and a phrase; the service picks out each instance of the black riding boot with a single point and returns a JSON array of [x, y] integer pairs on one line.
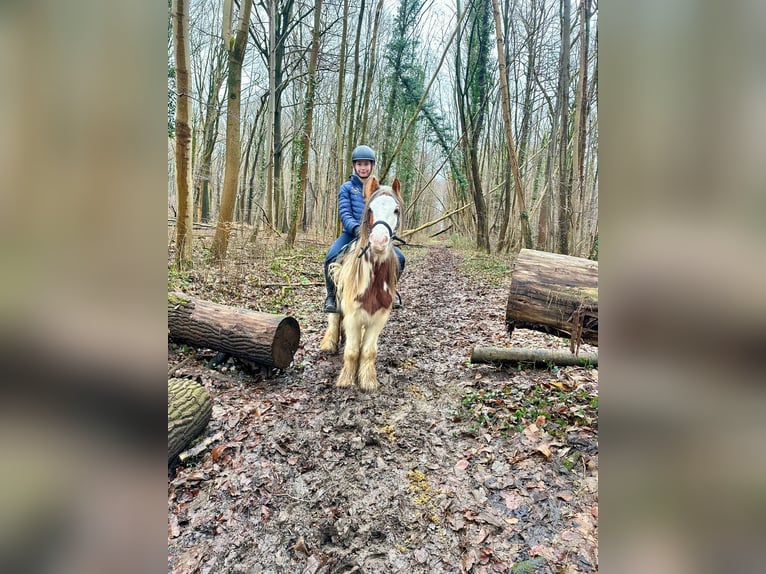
[[398, 298], [330, 305]]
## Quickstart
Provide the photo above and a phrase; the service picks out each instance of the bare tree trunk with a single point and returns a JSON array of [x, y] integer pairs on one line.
[[272, 106], [352, 126], [340, 173], [304, 138], [212, 110], [578, 129], [526, 233], [564, 184], [184, 237], [231, 169], [370, 71]]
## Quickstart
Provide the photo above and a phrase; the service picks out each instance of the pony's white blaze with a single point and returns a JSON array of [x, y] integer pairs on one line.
[[383, 209]]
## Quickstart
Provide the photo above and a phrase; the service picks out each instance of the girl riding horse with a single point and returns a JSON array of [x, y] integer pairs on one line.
[[366, 282], [350, 208]]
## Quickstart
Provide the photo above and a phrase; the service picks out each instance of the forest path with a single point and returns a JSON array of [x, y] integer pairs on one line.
[[447, 468]]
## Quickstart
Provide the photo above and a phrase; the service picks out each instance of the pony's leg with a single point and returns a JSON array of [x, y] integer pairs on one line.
[[353, 330], [368, 377], [331, 335]]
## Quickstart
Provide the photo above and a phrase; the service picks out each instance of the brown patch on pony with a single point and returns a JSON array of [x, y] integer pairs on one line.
[[370, 187], [395, 185], [376, 296]]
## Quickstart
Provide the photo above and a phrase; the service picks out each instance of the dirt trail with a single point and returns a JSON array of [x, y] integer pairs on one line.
[[310, 478]]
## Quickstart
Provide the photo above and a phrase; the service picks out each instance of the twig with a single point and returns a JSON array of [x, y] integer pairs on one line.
[[183, 363]]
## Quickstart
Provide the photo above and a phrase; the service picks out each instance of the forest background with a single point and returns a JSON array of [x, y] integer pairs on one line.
[[486, 110], [681, 124]]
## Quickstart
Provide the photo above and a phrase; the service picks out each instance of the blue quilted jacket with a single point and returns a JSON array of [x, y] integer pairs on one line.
[[351, 203]]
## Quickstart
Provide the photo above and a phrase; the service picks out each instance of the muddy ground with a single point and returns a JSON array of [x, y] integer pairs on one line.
[[449, 467]]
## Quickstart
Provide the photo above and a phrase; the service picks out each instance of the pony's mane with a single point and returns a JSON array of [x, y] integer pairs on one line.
[[352, 277]]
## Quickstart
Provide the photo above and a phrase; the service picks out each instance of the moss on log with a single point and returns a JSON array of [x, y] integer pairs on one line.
[[189, 410]]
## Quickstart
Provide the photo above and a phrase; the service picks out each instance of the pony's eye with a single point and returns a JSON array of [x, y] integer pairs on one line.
[[396, 211]]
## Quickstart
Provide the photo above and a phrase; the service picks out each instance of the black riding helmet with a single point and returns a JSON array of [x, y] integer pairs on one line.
[[362, 152]]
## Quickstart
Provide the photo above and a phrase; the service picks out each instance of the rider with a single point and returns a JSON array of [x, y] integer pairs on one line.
[[350, 210]]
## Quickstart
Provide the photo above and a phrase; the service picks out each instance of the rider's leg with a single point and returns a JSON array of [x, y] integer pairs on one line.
[[330, 304], [402, 262]]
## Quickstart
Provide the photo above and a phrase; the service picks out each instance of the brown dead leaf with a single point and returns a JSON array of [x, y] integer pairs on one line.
[[300, 546], [512, 500], [540, 421], [173, 529], [468, 559], [532, 431], [490, 519], [481, 536], [544, 449], [312, 565]]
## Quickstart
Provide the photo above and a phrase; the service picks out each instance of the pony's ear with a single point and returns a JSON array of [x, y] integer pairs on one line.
[[395, 186], [370, 187]]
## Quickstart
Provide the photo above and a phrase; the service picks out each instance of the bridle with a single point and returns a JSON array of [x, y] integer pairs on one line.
[[391, 234]]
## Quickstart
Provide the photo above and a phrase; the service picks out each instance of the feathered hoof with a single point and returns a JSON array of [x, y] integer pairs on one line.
[[368, 385], [328, 347], [345, 379]]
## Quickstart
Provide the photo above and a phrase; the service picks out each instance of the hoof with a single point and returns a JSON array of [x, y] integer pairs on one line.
[[369, 386], [328, 348], [344, 380]]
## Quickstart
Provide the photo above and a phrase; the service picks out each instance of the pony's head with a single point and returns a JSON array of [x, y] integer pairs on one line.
[[381, 215]]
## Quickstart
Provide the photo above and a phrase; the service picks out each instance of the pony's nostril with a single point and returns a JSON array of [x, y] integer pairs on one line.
[[379, 240]]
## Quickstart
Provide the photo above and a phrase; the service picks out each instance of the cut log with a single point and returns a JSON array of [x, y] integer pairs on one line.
[[536, 357], [189, 411], [555, 294], [262, 338]]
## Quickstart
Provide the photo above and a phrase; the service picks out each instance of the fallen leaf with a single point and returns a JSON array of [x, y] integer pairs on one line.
[[481, 537], [461, 464], [420, 555], [312, 565], [490, 519], [173, 529], [512, 500], [544, 448], [300, 546], [468, 560], [540, 421]]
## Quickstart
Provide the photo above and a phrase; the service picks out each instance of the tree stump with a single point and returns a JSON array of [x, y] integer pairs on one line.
[[262, 338], [555, 294], [189, 410]]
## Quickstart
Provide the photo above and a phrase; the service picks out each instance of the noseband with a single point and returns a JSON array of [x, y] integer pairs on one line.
[[391, 234]]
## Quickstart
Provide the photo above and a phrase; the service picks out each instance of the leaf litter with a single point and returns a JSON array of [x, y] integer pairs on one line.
[[449, 467]]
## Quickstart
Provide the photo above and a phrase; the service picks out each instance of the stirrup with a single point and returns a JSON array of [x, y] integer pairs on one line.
[[398, 301]]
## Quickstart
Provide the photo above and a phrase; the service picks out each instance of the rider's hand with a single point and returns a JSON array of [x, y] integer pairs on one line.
[[356, 230]]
